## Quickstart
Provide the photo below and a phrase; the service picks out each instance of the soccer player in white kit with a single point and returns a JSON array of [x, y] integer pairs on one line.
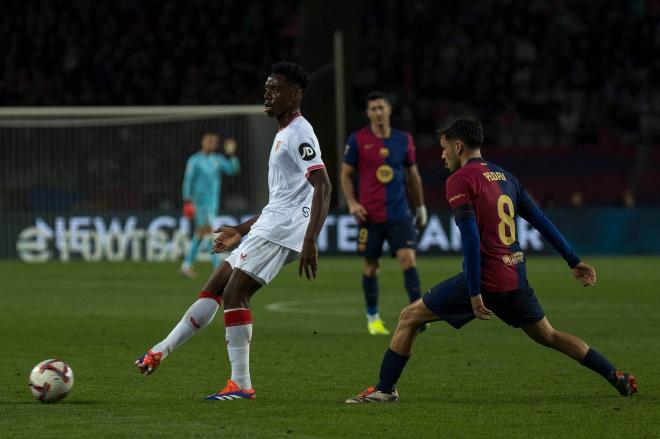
[[299, 198]]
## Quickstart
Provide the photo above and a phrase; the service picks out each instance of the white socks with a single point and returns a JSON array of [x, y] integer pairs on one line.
[[238, 333], [373, 317], [198, 316], [238, 324]]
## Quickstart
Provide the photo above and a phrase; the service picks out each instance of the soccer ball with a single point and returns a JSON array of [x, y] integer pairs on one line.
[[51, 380]]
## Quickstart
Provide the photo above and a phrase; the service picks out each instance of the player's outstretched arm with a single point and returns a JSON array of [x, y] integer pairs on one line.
[[229, 236], [585, 274], [535, 216], [348, 189], [320, 206], [230, 165]]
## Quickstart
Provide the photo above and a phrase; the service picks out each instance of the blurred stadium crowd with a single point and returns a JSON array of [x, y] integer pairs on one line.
[[537, 71], [142, 52]]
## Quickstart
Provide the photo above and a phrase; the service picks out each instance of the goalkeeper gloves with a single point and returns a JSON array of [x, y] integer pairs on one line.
[[229, 146], [188, 210]]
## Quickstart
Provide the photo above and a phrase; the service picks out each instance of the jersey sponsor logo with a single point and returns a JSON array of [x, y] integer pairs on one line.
[[514, 258], [384, 152], [456, 197], [384, 174], [494, 176], [306, 151], [305, 211], [368, 146]]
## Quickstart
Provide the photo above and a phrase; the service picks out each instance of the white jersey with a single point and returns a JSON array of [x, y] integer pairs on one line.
[[295, 153]]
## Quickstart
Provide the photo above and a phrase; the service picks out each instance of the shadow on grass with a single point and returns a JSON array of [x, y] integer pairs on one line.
[[59, 403]]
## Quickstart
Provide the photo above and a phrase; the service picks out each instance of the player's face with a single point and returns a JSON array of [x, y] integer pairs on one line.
[[279, 96], [379, 111], [210, 143], [450, 154]]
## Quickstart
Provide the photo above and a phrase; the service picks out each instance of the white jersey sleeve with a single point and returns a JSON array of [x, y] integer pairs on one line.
[[304, 149]]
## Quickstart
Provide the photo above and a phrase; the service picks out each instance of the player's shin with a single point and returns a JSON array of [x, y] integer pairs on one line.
[[412, 284], [370, 289], [390, 370], [215, 260], [597, 362], [192, 251], [197, 317], [238, 324]]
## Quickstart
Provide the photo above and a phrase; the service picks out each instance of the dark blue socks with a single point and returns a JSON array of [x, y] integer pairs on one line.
[[370, 288], [390, 370], [595, 361], [411, 281]]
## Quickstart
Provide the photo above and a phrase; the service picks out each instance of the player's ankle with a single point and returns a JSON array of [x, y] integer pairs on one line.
[[373, 317]]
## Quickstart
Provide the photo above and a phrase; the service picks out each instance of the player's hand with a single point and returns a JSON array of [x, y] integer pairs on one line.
[[188, 210], [358, 210], [479, 309], [421, 217], [308, 259], [229, 145], [226, 239], [585, 274]]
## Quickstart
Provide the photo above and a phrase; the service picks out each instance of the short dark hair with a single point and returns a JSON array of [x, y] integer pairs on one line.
[[466, 128], [294, 73], [375, 95]]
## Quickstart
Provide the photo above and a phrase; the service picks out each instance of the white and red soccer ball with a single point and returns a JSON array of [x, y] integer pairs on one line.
[[51, 380]]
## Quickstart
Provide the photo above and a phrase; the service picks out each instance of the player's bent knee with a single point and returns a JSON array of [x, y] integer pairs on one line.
[[236, 298], [409, 317], [371, 268], [407, 260]]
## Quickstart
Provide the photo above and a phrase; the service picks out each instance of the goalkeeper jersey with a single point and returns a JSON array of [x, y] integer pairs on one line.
[[202, 182]]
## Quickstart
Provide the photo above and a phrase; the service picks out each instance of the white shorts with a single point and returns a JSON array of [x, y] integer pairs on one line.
[[261, 259]]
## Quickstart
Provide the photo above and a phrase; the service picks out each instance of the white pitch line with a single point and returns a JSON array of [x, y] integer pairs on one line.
[[312, 306]]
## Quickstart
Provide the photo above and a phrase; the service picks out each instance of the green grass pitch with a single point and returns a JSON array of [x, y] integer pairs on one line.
[[311, 350]]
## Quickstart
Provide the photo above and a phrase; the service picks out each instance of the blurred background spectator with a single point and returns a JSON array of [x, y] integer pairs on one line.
[[142, 52], [538, 72]]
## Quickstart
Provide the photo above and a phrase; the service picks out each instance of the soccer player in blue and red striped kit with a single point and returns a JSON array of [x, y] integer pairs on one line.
[[383, 159], [486, 201]]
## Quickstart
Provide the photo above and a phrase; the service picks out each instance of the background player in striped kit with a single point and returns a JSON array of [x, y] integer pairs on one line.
[[202, 188], [383, 160]]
